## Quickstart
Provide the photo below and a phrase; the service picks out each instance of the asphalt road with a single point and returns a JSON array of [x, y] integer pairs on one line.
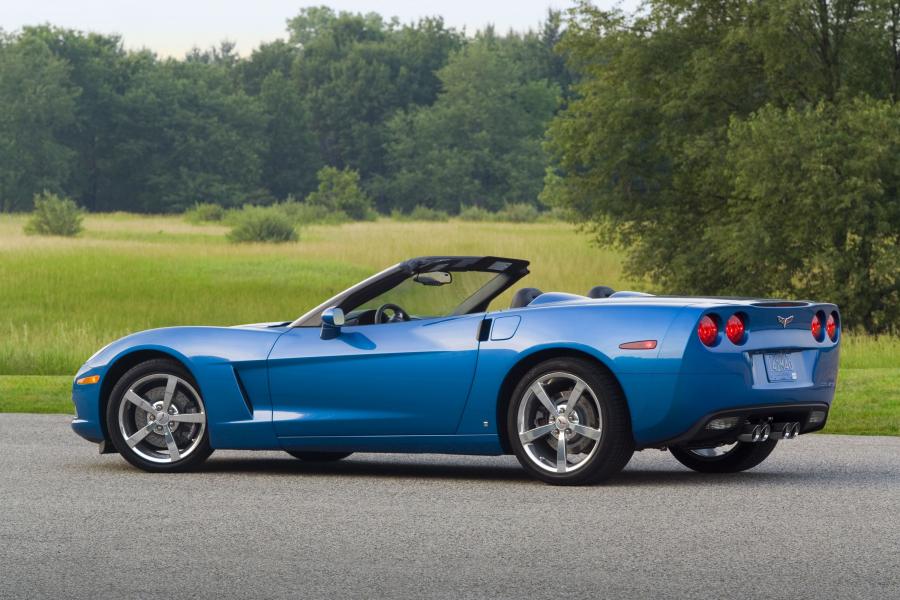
[[820, 518]]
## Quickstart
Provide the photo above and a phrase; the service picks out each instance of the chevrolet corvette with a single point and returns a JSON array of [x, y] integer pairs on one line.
[[415, 359]]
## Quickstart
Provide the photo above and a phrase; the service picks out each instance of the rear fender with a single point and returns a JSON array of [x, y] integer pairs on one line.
[[595, 331]]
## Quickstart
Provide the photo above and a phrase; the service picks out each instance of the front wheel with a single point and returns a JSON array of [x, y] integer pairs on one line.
[[568, 423], [727, 458], [156, 418]]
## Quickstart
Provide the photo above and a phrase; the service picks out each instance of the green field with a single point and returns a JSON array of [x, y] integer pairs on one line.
[[62, 299]]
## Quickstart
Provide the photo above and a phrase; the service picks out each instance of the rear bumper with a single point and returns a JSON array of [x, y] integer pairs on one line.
[[811, 416], [667, 407]]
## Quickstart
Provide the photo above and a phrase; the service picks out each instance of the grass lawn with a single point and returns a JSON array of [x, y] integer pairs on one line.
[[62, 299]]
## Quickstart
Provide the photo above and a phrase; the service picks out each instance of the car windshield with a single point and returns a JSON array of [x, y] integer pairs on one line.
[[427, 295]]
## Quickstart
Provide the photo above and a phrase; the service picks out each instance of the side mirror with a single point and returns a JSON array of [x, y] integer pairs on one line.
[[332, 321]]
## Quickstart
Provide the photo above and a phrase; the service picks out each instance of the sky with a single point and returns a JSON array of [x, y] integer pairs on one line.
[[172, 27]]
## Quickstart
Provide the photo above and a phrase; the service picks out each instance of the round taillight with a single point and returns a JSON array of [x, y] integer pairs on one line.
[[816, 327], [734, 329], [707, 330], [831, 327]]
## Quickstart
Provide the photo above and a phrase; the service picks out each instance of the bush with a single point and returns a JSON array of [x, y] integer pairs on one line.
[[519, 212], [421, 213], [262, 224], [54, 216], [475, 213], [204, 212], [301, 213], [339, 191], [557, 214]]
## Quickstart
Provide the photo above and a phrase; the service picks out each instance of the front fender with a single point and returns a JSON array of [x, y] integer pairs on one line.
[[228, 364]]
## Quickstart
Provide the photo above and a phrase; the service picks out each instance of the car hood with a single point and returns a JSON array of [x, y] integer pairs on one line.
[[241, 342]]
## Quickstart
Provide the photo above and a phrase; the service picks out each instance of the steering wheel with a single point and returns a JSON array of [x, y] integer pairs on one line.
[[399, 314]]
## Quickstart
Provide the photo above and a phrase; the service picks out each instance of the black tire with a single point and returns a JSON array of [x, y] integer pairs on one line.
[[318, 456], [615, 445], [199, 449], [742, 457]]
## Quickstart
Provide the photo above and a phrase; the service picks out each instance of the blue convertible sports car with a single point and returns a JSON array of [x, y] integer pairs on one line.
[[412, 360]]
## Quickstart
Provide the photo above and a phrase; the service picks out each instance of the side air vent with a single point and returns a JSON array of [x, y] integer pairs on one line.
[[244, 394]]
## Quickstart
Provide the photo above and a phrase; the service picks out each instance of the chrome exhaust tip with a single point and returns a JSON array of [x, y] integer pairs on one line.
[[790, 431], [780, 431], [764, 431], [751, 433]]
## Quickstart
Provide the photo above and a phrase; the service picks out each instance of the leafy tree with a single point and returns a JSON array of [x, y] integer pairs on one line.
[[37, 101], [291, 157], [224, 55], [339, 191], [97, 66], [273, 57], [356, 70], [479, 143], [831, 173], [680, 117], [192, 137]]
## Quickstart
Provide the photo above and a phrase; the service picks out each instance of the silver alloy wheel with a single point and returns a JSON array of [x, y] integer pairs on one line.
[[714, 451], [162, 418], [560, 422]]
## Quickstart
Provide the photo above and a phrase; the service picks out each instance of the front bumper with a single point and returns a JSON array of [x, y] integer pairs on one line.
[[88, 422]]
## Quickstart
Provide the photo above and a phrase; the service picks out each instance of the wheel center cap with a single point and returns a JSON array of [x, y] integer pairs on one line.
[[562, 423], [162, 418]]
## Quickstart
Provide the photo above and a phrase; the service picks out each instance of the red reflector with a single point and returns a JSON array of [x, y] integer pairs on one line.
[[707, 330], [816, 327], [831, 326], [734, 329], [641, 345]]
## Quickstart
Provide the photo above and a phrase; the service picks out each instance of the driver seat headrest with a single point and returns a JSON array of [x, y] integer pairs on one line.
[[600, 291], [523, 297]]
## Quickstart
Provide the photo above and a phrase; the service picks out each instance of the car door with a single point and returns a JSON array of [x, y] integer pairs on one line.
[[402, 378]]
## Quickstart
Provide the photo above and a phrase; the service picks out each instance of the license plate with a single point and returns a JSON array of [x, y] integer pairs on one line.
[[780, 367]]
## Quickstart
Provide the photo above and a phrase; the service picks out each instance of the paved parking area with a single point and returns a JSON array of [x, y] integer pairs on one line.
[[820, 518]]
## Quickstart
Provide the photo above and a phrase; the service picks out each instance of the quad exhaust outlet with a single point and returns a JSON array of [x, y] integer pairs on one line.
[[785, 431], [761, 432]]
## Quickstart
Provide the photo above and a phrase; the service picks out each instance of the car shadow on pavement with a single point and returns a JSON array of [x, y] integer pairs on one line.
[[508, 471], [365, 468]]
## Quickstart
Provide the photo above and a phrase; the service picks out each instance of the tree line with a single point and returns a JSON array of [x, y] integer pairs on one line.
[[422, 113]]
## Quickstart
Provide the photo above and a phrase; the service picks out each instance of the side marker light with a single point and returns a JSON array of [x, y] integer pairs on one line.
[[641, 345]]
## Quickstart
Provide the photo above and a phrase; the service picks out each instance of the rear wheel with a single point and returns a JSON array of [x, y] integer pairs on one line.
[[318, 456], [156, 418], [728, 458], [568, 423]]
